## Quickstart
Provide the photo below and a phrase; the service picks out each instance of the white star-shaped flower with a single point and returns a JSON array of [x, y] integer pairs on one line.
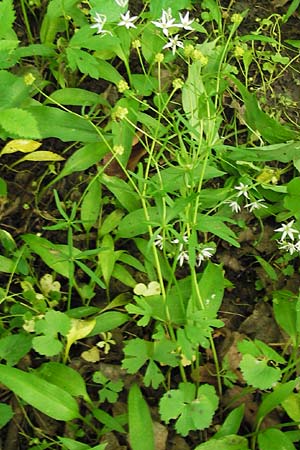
[[165, 22], [204, 253], [287, 230], [257, 204], [242, 190], [99, 20], [173, 43], [235, 207], [185, 21], [127, 21]]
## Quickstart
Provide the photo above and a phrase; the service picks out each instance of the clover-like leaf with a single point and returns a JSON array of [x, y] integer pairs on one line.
[[193, 409], [258, 373]]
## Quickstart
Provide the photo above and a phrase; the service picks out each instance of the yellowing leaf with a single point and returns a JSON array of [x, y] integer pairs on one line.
[[91, 355], [153, 288], [20, 145], [79, 330], [41, 155]]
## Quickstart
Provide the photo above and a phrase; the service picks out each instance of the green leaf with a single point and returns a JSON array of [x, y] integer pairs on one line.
[[83, 61], [6, 414], [139, 421], [47, 345], [125, 194], [108, 421], [66, 126], [76, 97], [270, 129], [258, 373], [91, 205], [232, 423], [3, 188], [136, 354], [7, 265], [193, 410], [268, 268], [215, 225], [54, 322], [14, 90], [291, 200], [291, 406], [83, 159], [274, 439], [55, 256], [64, 377], [20, 123], [211, 286], [275, 398], [123, 275], [285, 312], [108, 321], [7, 17], [231, 442], [46, 397], [14, 347], [277, 152], [70, 444], [134, 223], [107, 258]]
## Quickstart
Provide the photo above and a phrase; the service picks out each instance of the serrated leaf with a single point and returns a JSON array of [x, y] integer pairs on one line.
[[7, 17], [139, 421], [46, 397], [136, 354], [193, 410], [20, 145], [14, 347], [258, 374], [47, 345], [19, 122]]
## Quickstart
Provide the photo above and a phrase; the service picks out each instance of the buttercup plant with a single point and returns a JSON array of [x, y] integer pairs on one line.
[[161, 192]]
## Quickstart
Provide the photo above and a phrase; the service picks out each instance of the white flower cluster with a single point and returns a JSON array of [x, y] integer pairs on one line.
[[204, 251], [166, 22], [243, 191], [287, 231], [126, 20]]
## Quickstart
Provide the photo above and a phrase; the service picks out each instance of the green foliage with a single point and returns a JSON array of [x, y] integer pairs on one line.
[[192, 408], [153, 162], [139, 421], [6, 414], [42, 395]]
